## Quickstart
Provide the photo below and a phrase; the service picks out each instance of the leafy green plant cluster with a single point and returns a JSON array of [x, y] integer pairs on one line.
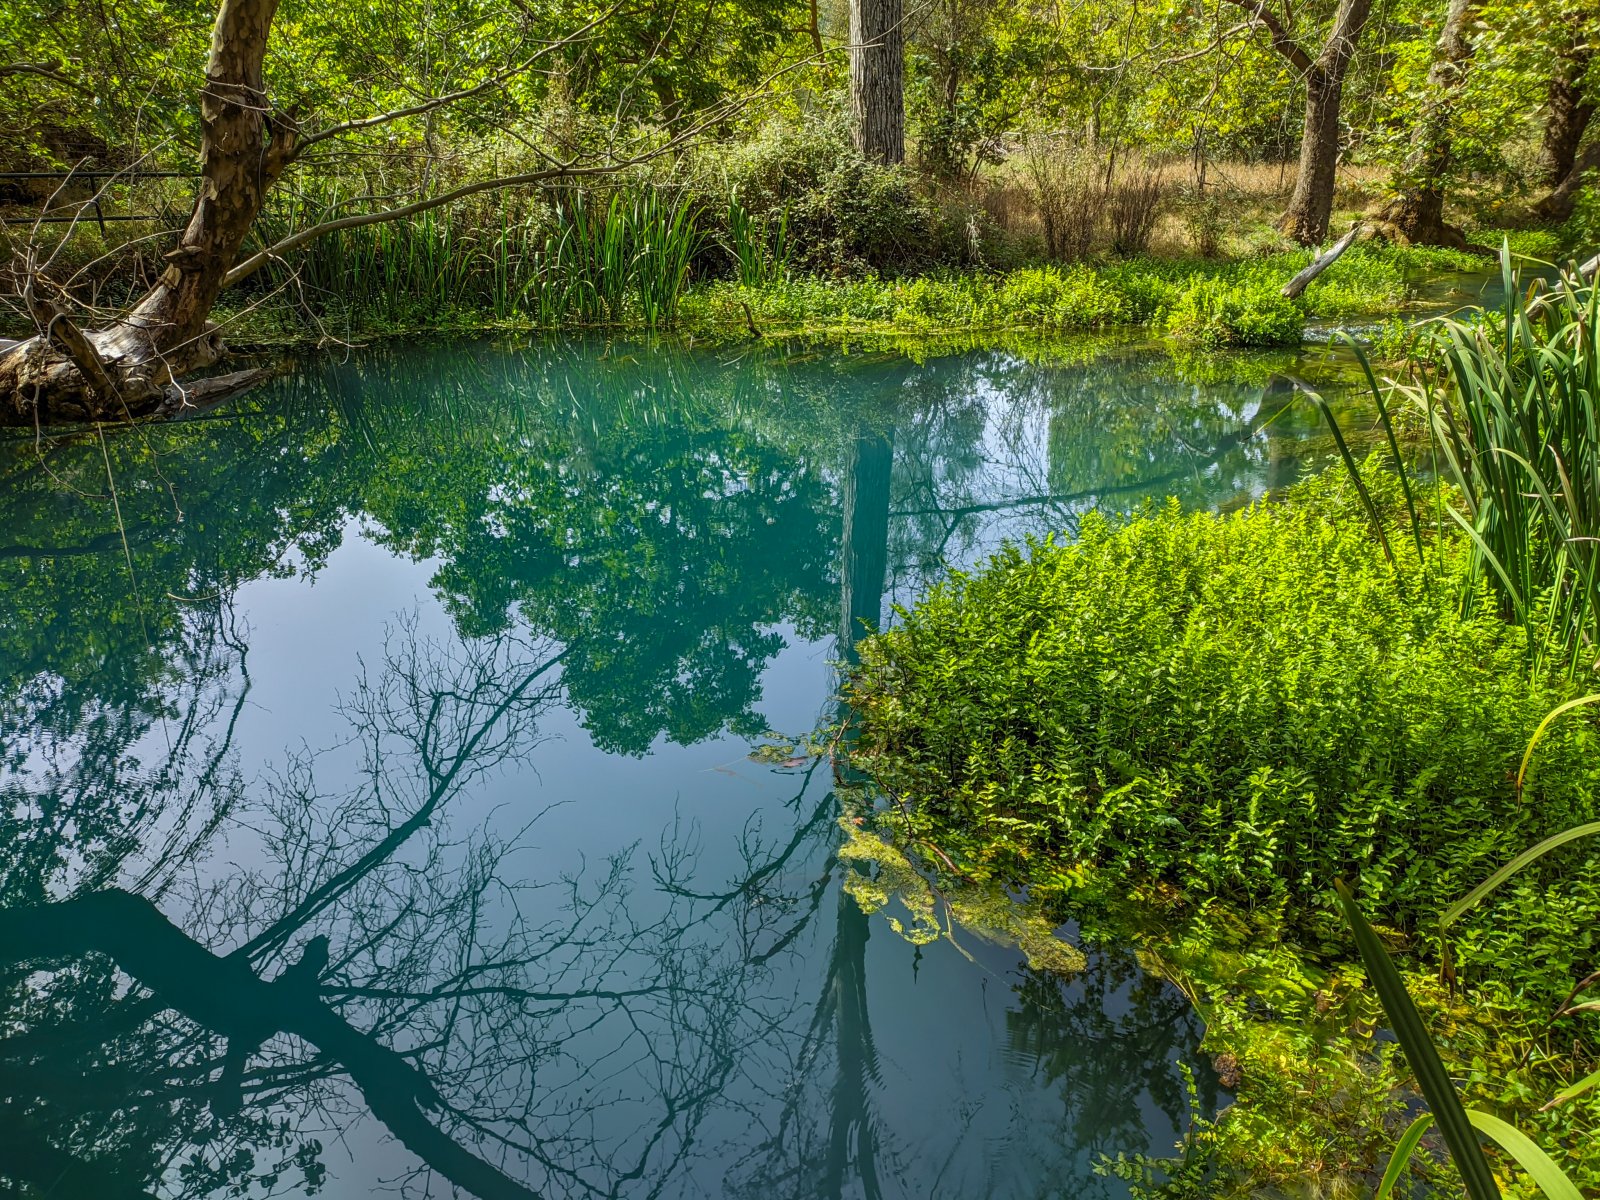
[[622, 257], [1213, 313], [1245, 706]]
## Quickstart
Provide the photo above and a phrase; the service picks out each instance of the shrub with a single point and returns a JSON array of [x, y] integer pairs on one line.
[[1133, 203], [1235, 311], [1202, 213], [1246, 706], [1069, 194], [842, 213]]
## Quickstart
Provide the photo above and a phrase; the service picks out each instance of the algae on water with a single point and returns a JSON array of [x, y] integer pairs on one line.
[[983, 910]]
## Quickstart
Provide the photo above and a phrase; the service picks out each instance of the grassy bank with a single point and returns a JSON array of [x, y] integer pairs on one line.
[[1197, 303], [1181, 729]]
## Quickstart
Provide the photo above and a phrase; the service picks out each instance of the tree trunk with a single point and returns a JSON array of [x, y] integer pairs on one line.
[[1567, 115], [1311, 205], [1417, 212], [128, 369], [877, 80], [1558, 205]]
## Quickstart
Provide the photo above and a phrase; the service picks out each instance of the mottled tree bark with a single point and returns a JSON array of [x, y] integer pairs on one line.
[[877, 79], [1311, 205], [1417, 212], [1567, 114], [128, 369]]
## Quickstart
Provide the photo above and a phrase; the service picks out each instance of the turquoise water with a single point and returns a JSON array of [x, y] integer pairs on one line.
[[477, 695]]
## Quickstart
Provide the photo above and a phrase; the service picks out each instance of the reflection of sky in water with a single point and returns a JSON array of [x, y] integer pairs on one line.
[[676, 523]]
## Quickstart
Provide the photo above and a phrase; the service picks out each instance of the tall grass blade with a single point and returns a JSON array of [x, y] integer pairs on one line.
[[1533, 854], [1401, 1158], [1551, 1179], [1394, 443], [1544, 725], [1586, 1084], [1355, 473], [1421, 1054]]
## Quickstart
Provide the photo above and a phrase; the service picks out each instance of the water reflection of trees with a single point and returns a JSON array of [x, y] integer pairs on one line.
[[622, 537], [377, 962]]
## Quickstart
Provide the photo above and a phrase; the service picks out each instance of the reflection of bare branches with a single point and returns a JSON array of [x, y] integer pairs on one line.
[[84, 783], [518, 1038]]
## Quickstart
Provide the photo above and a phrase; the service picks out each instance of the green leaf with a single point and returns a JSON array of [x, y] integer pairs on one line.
[[1420, 1052], [1511, 868], [1576, 1090], [1552, 1180], [1527, 755], [1403, 1150]]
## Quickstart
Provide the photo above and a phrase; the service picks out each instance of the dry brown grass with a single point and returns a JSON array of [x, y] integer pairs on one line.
[[1254, 192]]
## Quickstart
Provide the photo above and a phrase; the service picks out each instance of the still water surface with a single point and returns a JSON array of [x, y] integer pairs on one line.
[[435, 682]]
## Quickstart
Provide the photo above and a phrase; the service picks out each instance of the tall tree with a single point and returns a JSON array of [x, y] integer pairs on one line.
[[1311, 204], [1568, 110], [1417, 211], [131, 366], [877, 79]]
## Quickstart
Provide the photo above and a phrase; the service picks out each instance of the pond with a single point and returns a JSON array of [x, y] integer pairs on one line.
[[477, 695]]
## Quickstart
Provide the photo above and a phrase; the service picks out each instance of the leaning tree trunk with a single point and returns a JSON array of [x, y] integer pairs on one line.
[[128, 368], [1563, 198], [1311, 205], [1417, 212], [1567, 117], [877, 80]]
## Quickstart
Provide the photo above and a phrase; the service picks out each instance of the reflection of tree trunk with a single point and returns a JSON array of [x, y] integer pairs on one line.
[[851, 1135], [864, 547], [863, 571], [224, 995], [1417, 213], [1283, 463]]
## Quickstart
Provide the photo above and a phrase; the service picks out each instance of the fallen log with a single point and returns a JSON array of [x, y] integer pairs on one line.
[[1321, 263]]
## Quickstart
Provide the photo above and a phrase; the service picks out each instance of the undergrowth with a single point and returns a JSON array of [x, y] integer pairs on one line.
[[1206, 720]]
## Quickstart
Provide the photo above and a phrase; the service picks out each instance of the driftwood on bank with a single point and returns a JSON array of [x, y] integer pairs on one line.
[[1322, 262]]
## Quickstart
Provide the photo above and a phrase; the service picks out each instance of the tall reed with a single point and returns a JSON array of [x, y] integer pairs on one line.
[[1511, 405], [581, 260], [760, 250]]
